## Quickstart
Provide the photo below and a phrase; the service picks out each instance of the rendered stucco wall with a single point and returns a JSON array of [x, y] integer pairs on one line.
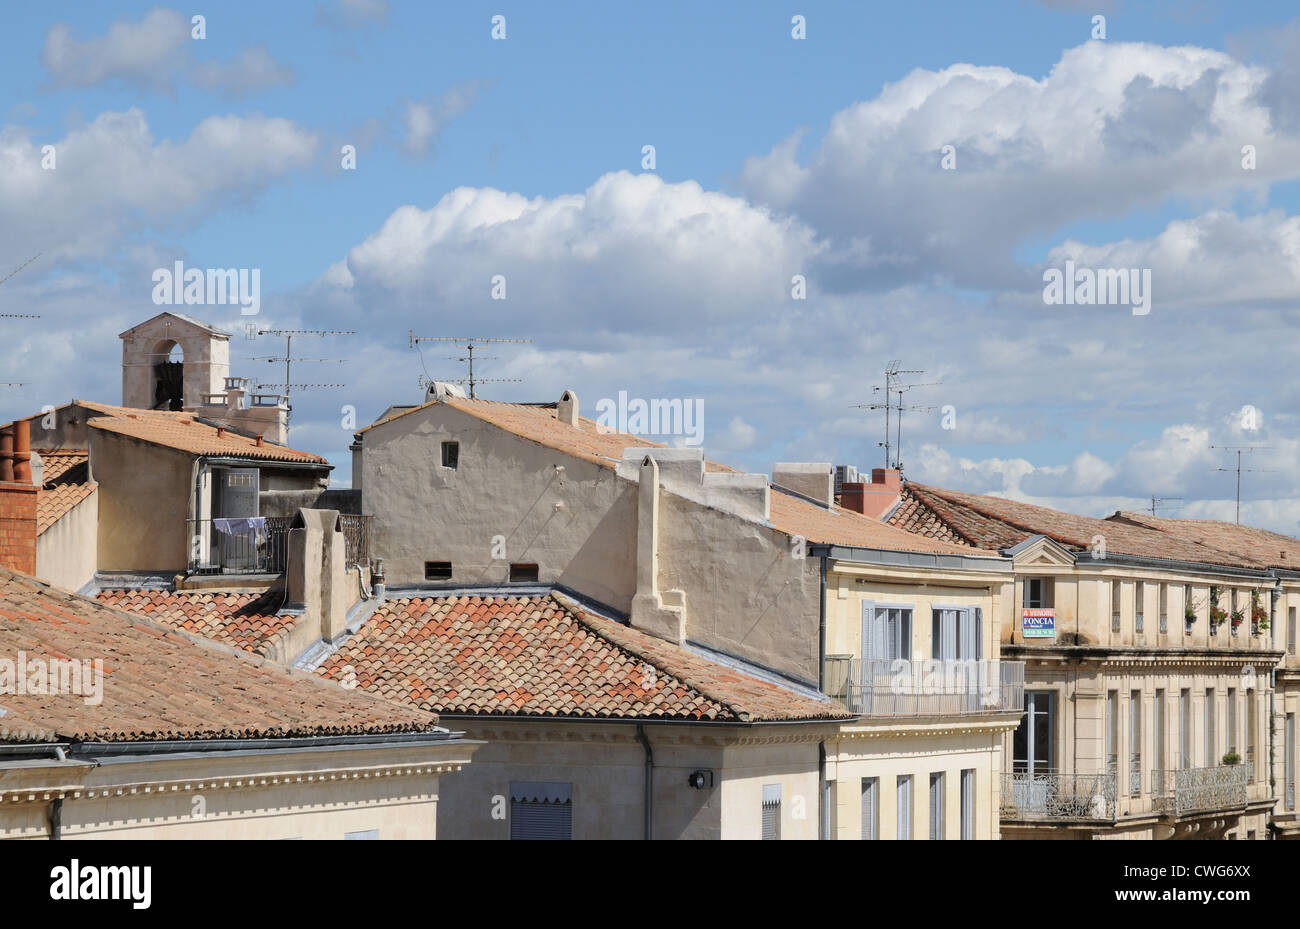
[[66, 552], [503, 487]]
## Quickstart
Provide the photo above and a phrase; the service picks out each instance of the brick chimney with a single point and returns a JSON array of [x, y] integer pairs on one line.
[[17, 499], [874, 499]]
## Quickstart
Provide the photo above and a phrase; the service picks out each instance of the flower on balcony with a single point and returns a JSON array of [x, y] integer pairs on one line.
[[1217, 615], [1258, 613]]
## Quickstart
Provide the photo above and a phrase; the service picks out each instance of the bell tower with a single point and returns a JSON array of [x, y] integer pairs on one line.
[[173, 362]]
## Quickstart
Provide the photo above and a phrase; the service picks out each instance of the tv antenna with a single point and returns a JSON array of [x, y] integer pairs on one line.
[[288, 334], [19, 268], [1160, 501], [469, 344], [891, 386], [1239, 449]]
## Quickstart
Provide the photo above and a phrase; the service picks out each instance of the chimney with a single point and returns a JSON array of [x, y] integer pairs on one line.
[[17, 500], [567, 412], [874, 499], [221, 432], [260, 443]]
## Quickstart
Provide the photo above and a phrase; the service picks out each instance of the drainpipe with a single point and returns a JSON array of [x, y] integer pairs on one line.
[[821, 633], [1272, 689], [649, 803], [823, 821], [56, 819]]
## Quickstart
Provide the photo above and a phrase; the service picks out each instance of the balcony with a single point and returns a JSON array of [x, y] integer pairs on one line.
[[1199, 790], [903, 688], [265, 551], [1059, 797]]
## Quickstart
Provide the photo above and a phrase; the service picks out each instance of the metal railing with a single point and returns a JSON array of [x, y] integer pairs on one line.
[[215, 552], [356, 536], [1135, 775], [1199, 790], [900, 687], [1055, 796]]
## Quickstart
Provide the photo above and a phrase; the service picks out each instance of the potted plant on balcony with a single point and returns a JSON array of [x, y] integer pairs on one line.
[[1189, 617], [1238, 617], [1231, 758], [1217, 613], [1258, 614]]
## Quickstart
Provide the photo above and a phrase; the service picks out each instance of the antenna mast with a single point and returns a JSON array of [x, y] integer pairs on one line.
[[469, 344]]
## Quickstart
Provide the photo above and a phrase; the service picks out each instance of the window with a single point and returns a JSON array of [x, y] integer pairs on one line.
[[870, 808], [886, 632], [540, 810], [936, 807], [1112, 731], [1290, 631], [1232, 720], [904, 807], [1115, 593], [956, 632], [437, 570], [1164, 608], [1185, 729], [523, 573], [1031, 746], [1250, 735], [1161, 736], [450, 454], [1139, 601], [772, 811], [1288, 742], [1038, 593], [1189, 607], [367, 835], [1135, 743], [968, 804], [1210, 757]]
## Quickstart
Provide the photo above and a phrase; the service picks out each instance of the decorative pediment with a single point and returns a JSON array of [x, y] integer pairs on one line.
[[1040, 551]]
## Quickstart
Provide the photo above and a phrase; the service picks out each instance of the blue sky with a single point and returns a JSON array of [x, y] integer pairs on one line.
[[774, 157]]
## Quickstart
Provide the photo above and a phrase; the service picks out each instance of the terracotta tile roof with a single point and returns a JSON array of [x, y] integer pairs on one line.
[[914, 516], [847, 527], [53, 503], [160, 683], [184, 433], [543, 656], [1001, 523], [64, 483], [1260, 545], [241, 620], [790, 515], [60, 462]]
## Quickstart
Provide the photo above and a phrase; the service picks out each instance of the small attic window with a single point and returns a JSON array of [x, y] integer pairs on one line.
[[450, 454], [437, 570], [525, 573]]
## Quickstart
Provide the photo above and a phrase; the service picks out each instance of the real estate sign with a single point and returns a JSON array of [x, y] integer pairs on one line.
[[1038, 623]]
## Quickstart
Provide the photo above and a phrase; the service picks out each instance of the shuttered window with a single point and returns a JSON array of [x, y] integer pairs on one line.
[[870, 808], [904, 807], [956, 632], [936, 807], [1211, 758], [968, 804], [772, 811], [886, 632], [541, 811], [1185, 729]]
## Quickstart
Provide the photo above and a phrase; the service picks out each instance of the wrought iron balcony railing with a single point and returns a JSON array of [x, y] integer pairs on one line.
[[900, 687], [1055, 796], [1199, 790]]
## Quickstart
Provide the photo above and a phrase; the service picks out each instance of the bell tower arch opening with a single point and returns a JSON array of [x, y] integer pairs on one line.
[[173, 362], [168, 376]]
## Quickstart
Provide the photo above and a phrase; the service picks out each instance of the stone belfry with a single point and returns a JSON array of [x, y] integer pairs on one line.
[[153, 378]]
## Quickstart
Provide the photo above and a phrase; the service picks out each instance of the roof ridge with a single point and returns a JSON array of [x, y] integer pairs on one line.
[[909, 488], [578, 613]]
